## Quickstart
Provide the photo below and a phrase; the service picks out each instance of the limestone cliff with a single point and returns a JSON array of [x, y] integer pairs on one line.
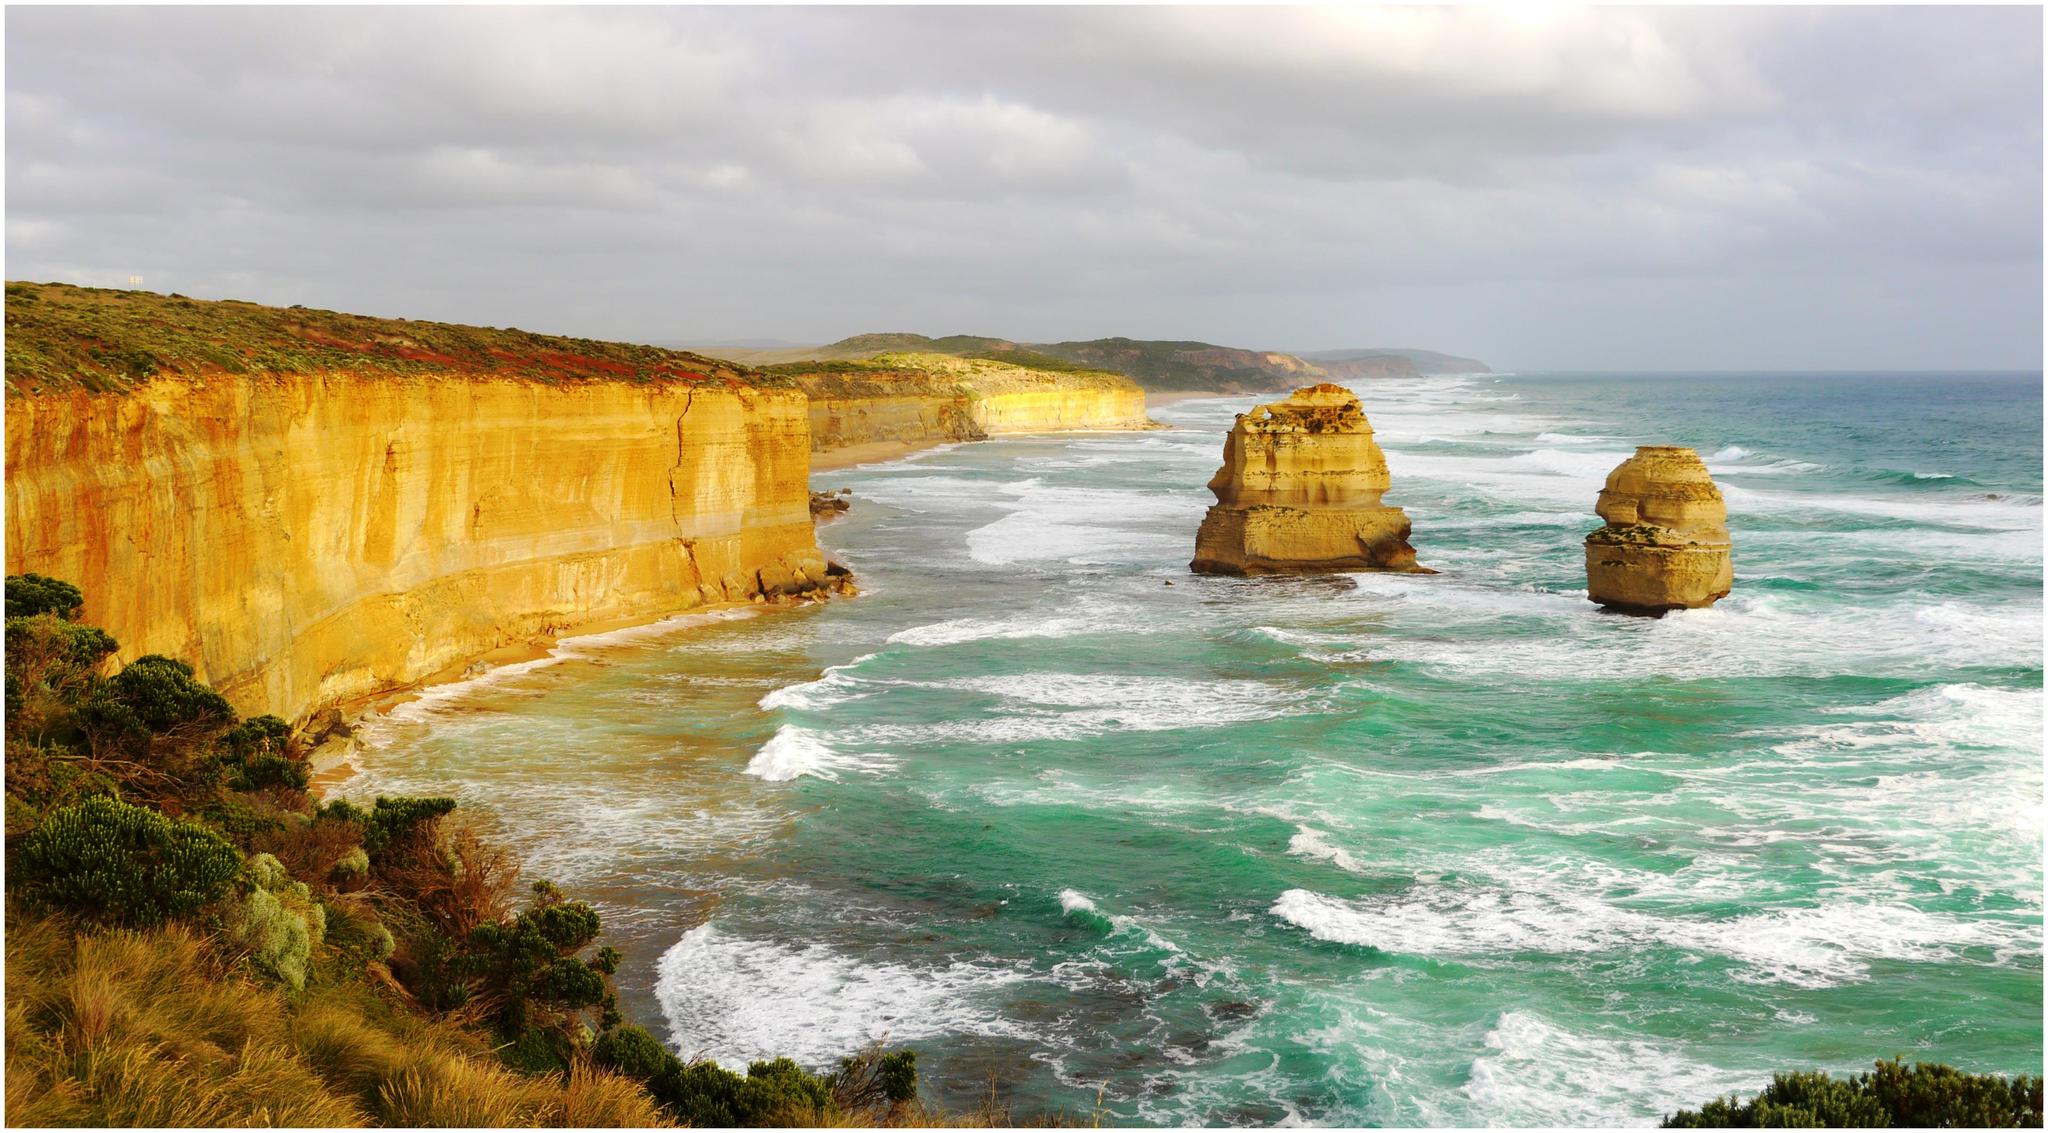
[[1299, 492], [369, 502], [1665, 545], [914, 399]]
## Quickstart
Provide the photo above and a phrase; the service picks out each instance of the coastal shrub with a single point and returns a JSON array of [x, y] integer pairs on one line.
[[51, 664], [277, 922], [257, 755], [162, 695], [42, 641], [875, 1077], [705, 1094], [159, 721], [355, 933], [529, 970], [390, 822], [318, 846], [30, 594], [1925, 1096], [107, 860], [457, 880]]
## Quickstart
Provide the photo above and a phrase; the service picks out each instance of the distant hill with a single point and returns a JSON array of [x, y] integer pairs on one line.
[[1422, 361], [1153, 364]]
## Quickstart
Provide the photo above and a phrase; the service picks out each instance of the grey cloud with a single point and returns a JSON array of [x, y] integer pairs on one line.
[[1838, 187]]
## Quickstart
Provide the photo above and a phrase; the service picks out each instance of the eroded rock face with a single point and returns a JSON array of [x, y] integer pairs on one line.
[[1299, 493], [310, 539], [1665, 546]]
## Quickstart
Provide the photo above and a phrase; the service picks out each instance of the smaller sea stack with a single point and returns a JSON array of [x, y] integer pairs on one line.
[[1665, 546], [1299, 493]]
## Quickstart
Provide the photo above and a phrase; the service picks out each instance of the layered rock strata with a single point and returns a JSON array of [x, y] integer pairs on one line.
[[922, 399], [1665, 545], [1299, 492], [308, 539]]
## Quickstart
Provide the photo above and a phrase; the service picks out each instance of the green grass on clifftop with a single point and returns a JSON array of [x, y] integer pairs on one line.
[[61, 337]]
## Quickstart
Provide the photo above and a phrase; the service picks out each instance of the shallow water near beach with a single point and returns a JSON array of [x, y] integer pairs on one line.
[[1370, 849]]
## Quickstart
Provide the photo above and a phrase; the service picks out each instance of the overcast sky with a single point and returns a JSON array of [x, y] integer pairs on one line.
[[1610, 189]]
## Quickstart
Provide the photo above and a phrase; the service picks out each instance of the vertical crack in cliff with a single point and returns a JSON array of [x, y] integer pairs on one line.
[[675, 470]]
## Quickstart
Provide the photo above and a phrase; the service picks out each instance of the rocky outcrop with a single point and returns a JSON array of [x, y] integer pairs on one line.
[[1299, 492], [314, 508], [1665, 545]]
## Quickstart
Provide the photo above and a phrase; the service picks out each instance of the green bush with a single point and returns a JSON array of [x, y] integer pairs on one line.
[[528, 966], [777, 1093], [1927, 1096], [705, 1094], [257, 754], [161, 695], [32, 594], [389, 821], [83, 646], [110, 861], [278, 922]]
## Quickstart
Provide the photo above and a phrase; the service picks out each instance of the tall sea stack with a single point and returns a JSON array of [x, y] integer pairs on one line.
[[1665, 546], [1299, 493]]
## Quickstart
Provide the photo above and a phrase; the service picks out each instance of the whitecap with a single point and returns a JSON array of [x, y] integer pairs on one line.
[[737, 1000], [1818, 946], [835, 686], [1534, 1073], [793, 752], [1315, 845]]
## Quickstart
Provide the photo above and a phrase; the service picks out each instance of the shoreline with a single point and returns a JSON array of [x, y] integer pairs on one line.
[[871, 452], [329, 762]]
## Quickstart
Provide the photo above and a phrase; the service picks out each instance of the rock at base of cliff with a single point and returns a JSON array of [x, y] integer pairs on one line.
[[831, 505], [1665, 546]]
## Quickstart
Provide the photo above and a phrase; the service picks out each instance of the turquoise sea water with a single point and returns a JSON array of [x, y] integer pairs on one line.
[[1360, 850]]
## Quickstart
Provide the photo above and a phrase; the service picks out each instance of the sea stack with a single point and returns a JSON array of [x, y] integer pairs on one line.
[[1299, 493], [1665, 546]]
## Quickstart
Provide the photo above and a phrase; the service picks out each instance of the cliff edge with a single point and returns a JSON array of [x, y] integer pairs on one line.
[[315, 507], [913, 399], [1299, 492]]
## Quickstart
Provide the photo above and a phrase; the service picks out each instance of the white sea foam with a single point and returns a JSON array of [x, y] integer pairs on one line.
[[1038, 707], [1812, 947], [1079, 906], [835, 686], [737, 1000], [1534, 1073], [1315, 845], [1084, 525], [792, 752], [1088, 615]]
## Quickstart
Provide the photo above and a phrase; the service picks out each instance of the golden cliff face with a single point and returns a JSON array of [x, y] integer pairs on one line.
[[1665, 545], [307, 540], [1299, 492], [1058, 409], [918, 399]]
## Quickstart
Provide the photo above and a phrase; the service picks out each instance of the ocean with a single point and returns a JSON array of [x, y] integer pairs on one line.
[[1362, 849]]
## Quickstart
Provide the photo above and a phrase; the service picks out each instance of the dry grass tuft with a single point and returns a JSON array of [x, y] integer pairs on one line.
[[597, 1099], [151, 1029]]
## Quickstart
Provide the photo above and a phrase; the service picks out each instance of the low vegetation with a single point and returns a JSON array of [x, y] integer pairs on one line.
[[193, 940], [1923, 1096], [61, 337]]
